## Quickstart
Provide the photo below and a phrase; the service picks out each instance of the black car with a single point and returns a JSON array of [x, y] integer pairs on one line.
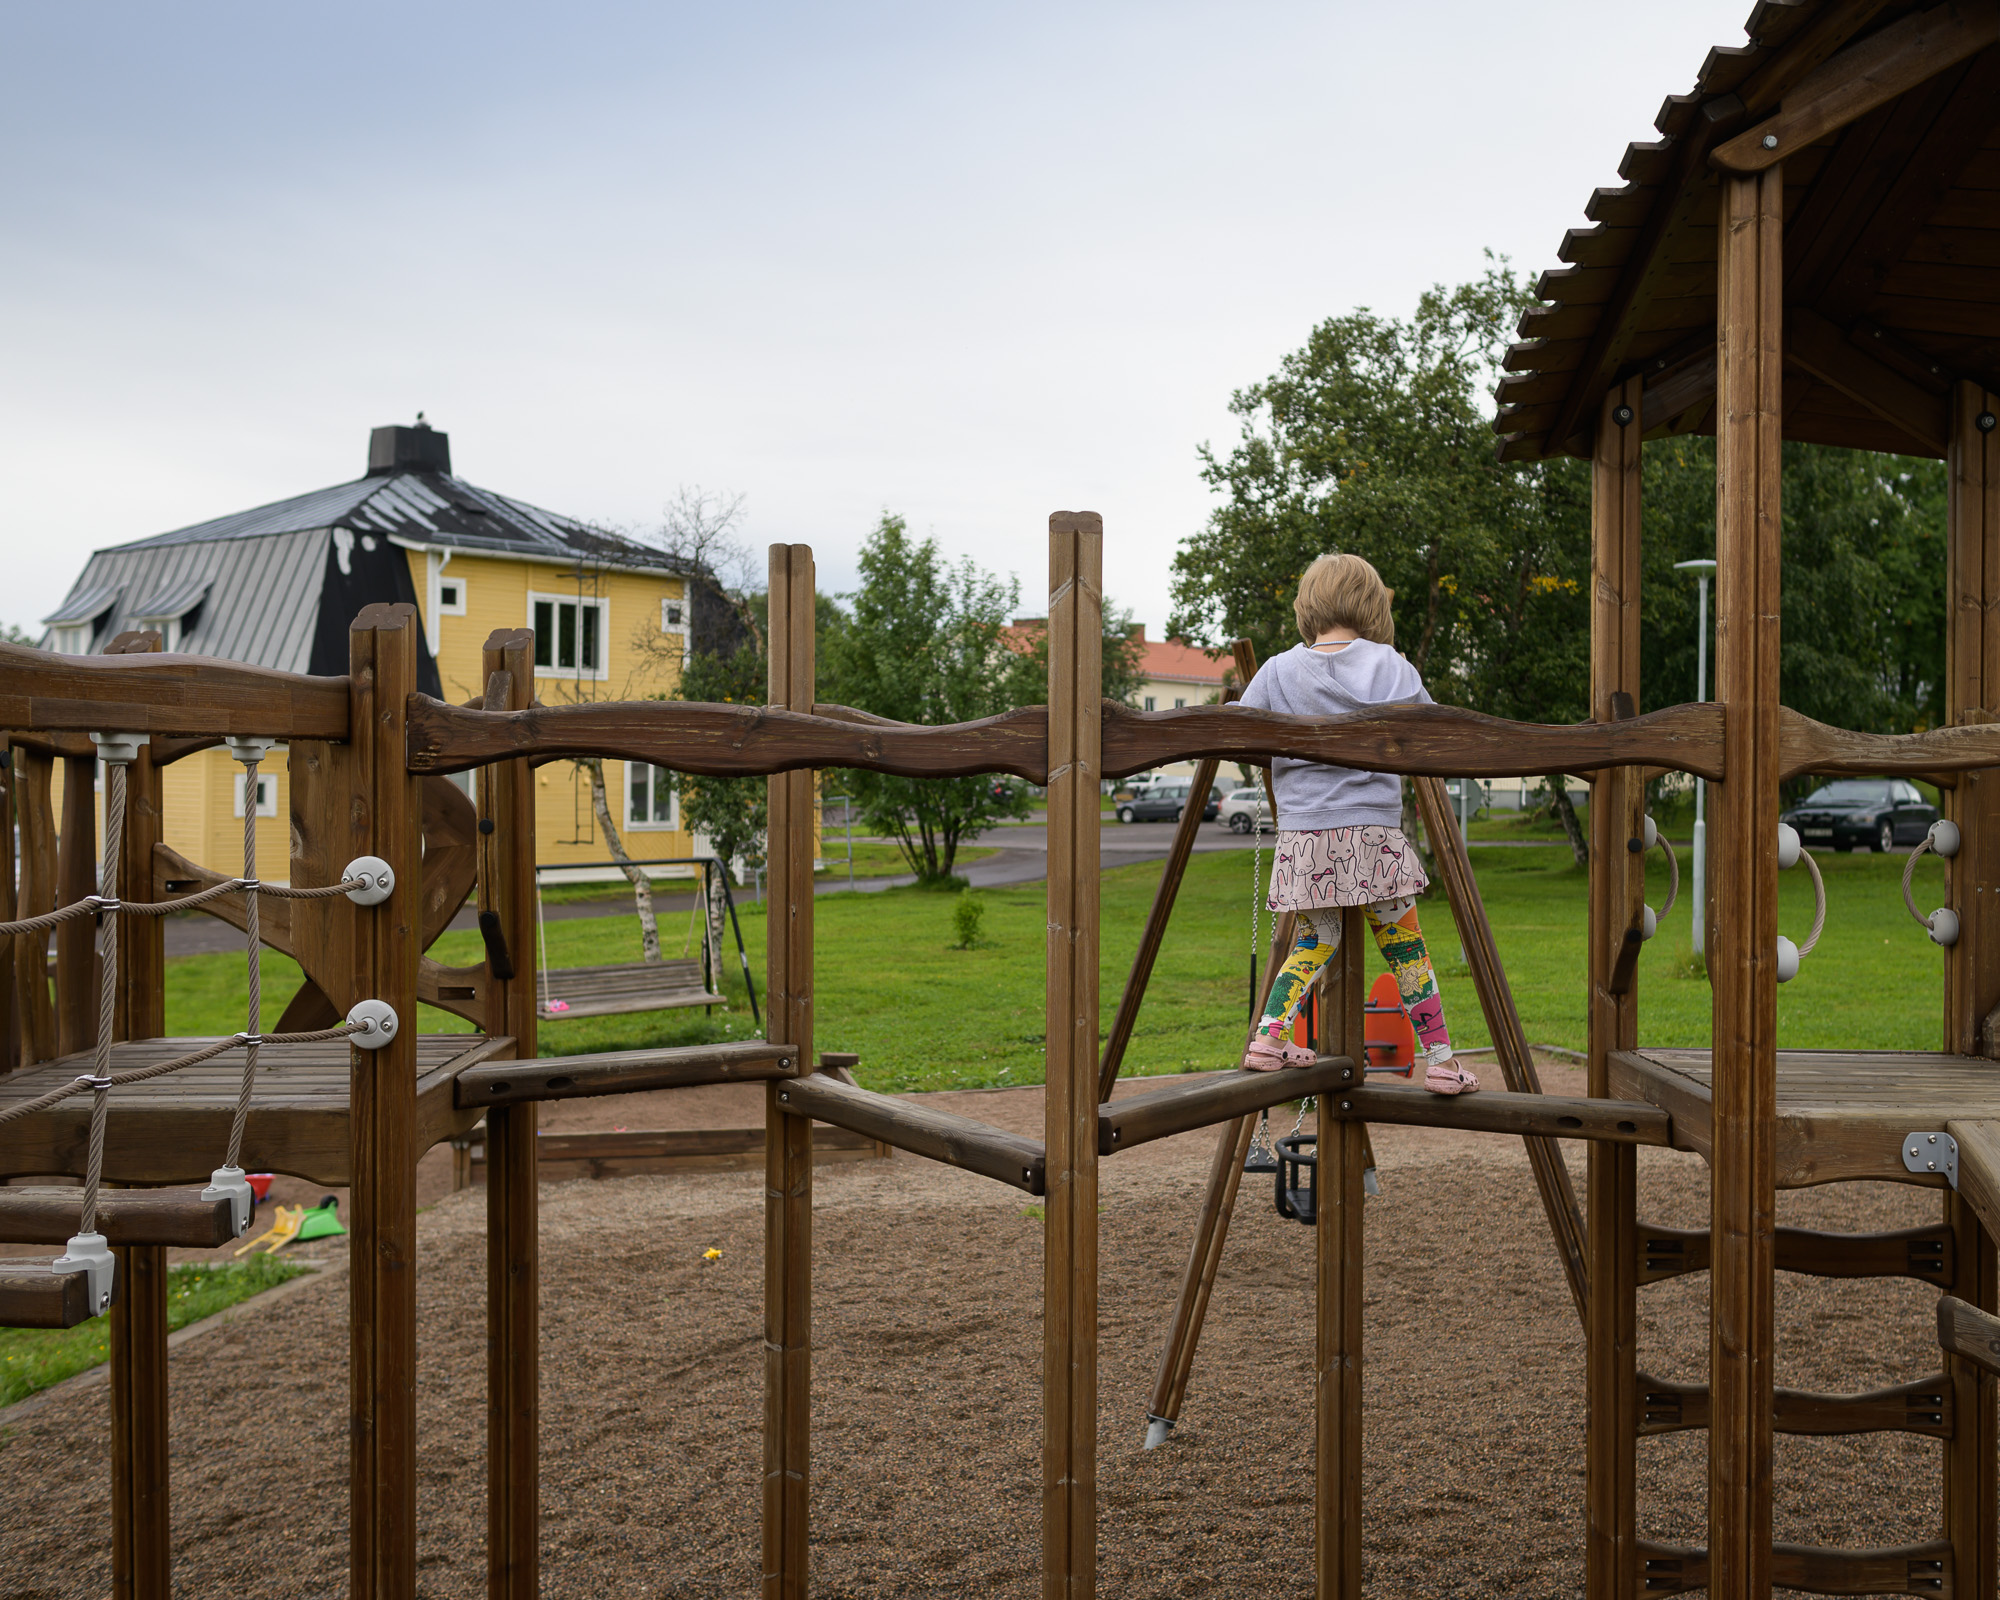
[[1163, 802], [1877, 812]]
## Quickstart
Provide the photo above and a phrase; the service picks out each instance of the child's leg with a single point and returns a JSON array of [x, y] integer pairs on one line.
[[1314, 942], [1401, 940]]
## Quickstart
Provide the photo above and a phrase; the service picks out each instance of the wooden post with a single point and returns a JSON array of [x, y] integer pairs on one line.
[[788, 1143], [1743, 940], [513, 1225], [1972, 966], [384, 820], [1617, 899], [1069, 1273], [76, 877], [141, 1538], [34, 813], [1343, 1155], [11, 1052]]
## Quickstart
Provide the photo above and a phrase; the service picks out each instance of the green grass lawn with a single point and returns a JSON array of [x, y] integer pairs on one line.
[[34, 1358], [925, 1016]]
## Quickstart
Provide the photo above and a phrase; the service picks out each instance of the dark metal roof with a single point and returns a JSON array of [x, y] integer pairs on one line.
[[175, 599], [1890, 268], [87, 601]]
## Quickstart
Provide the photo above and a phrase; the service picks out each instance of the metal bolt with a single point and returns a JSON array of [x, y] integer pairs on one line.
[[1770, 141], [1347, 1105], [1636, 846], [1621, 415], [1986, 420], [784, 1094]]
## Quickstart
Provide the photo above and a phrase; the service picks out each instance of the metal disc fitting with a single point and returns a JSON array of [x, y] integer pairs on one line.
[[374, 1024], [378, 880]]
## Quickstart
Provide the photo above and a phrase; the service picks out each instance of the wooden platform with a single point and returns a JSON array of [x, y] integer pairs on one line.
[[173, 1129], [1842, 1114]]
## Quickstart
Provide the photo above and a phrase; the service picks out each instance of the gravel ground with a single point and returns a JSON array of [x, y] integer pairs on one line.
[[927, 1394]]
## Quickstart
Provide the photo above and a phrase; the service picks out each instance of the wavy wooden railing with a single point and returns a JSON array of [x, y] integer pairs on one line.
[[1808, 746], [744, 741], [165, 694]]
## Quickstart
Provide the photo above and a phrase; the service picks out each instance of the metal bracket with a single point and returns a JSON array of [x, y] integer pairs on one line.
[[90, 1254], [1931, 1152], [229, 1183]]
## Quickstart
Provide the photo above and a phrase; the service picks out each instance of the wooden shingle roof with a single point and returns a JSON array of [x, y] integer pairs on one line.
[[1892, 239]]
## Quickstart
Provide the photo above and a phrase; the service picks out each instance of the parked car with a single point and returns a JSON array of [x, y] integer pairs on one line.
[[1244, 809], [1163, 802], [1877, 812]]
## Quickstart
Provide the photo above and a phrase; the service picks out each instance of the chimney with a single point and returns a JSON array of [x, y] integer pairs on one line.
[[418, 449]]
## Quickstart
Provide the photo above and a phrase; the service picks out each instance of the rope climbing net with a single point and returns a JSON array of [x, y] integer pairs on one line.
[[367, 881]]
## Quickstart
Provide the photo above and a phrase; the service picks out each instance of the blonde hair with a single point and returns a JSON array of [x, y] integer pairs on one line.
[[1344, 591]]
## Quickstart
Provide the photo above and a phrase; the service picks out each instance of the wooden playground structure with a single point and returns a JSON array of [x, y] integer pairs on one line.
[[1807, 253]]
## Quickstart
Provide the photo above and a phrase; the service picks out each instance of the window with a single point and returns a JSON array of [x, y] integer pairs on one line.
[[267, 794], [168, 628], [649, 796], [1149, 702], [73, 640], [451, 597], [569, 635], [671, 615], [1179, 701]]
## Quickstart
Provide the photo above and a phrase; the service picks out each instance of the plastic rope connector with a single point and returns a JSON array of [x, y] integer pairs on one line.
[[119, 749], [231, 1184], [376, 877], [374, 1024], [90, 1254]]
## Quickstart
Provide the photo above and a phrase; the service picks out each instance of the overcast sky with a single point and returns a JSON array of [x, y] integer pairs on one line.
[[970, 263]]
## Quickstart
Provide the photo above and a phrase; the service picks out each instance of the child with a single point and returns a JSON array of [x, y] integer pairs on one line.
[[1340, 839]]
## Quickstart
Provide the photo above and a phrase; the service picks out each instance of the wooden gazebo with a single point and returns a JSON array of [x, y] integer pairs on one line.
[[1811, 251]]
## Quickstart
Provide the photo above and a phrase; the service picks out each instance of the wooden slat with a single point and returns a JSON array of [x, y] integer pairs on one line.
[[46, 1214], [1743, 930], [789, 1143], [1069, 1271], [621, 1072], [1439, 741], [1928, 1254], [1820, 348], [1503, 1026], [922, 1130], [178, 694], [142, 941], [1809, 746], [505, 857], [1924, 1407], [1203, 1100], [1969, 1333], [33, 1297], [34, 812], [1923, 1569], [76, 878], [727, 740], [10, 1006], [382, 1128], [1547, 1116], [1865, 75], [1339, 1292]]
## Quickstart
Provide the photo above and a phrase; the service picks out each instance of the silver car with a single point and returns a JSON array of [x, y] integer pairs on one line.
[[1244, 809]]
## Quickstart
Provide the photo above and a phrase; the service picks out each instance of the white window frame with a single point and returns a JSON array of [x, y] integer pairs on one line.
[[267, 794], [168, 628], [70, 639], [1149, 703], [1179, 701], [633, 824], [451, 608], [602, 604]]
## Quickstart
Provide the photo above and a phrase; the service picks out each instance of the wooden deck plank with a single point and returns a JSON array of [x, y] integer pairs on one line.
[[1842, 1114]]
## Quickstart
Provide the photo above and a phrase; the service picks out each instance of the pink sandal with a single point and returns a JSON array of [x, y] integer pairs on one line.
[[1267, 1054], [1447, 1077]]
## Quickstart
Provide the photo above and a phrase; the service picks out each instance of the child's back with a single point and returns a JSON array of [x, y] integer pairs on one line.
[[1304, 682]]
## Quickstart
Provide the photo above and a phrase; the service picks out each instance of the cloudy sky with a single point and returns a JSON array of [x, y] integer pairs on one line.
[[971, 263]]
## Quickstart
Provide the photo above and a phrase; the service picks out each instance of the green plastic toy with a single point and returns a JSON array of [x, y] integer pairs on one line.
[[322, 1222]]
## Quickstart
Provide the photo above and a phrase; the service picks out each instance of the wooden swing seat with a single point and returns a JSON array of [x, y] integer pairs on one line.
[[628, 987]]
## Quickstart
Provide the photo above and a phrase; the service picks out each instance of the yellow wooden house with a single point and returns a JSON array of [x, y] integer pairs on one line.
[[277, 586]]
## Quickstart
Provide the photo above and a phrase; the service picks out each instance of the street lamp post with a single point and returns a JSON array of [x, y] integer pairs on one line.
[[1701, 570]]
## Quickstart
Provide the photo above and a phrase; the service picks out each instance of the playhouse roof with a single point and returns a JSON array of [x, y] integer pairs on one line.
[[1892, 237]]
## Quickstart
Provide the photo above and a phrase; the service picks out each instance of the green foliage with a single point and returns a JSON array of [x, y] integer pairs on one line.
[[926, 642], [33, 1358], [966, 912]]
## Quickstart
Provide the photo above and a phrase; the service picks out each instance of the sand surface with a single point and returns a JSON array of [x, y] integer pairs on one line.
[[927, 1392]]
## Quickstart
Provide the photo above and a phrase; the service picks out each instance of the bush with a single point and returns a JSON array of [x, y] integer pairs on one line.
[[966, 912]]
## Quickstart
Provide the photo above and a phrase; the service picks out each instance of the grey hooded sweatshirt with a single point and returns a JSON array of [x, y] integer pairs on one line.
[[1331, 683]]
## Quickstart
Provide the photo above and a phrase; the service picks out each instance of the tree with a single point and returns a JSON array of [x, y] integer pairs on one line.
[[925, 641]]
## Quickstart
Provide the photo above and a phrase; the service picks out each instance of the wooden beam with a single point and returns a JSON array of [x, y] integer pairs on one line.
[[504, 860], [1204, 1100], [1821, 349], [173, 694], [1809, 746], [1924, 1569], [1503, 1024], [180, 1218], [604, 1072], [142, 953], [788, 1160], [34, 815], [33, 1297], [1339, 1254], [1155, 930], [1924, 1407], [1927, 1254], [76, 878], [1743, 931], [920, 1129], [1546, 1116], [1069, 1271], [1972, 1451], [10, 1004], [1865, 75], [142, 1554], [384, 817], [1967, 1332]]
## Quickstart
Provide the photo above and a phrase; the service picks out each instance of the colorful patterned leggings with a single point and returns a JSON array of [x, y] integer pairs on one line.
[[1401, 941]]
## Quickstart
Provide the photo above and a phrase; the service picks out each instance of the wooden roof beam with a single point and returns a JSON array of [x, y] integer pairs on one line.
[[1820, 348], [1853, 82]]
